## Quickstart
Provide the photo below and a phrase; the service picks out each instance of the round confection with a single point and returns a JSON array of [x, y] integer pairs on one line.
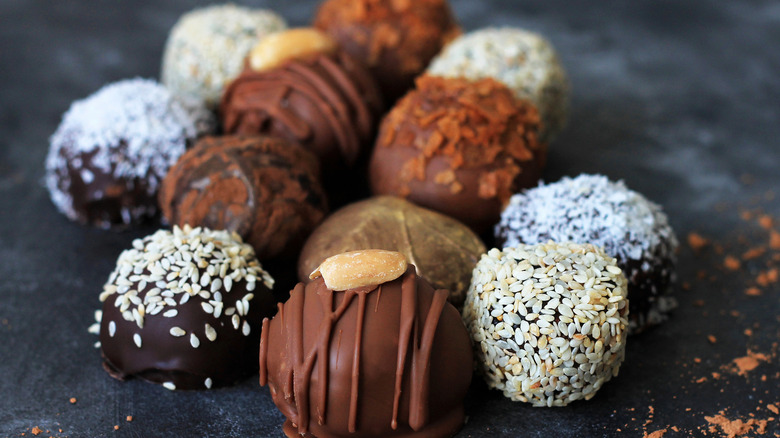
[[112, 149], [387, 359], [207, 46], [443, 249], [548, 321], [396, 39], [266, 189], [593, 209], [458, 147], [327, 102], [523, 61], [176, 310]]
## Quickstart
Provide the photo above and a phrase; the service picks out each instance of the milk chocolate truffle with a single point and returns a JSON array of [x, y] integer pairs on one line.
[[319, 98], [396, 39], [523, 61], [593, 209], [458, 147], [265, 189], [367, 349], [548, 321], [443, 249], [184, 309], [207, 47], [111, 151]]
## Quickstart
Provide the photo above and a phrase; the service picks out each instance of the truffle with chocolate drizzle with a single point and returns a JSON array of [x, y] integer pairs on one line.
[[368, 348]]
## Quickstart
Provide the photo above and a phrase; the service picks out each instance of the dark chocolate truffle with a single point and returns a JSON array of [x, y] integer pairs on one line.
[[396, 39], [592, 209], [176, 310], [326, 102], [443, 249], [368, 349], [265, 189], [458, 147], [112, 150]]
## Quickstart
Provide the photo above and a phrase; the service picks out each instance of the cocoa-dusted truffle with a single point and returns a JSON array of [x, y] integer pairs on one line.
[[266, 189], [548, 321], [323, 100], [367, 349], [443, 249], [184, 309], [207, 47], [396, 39], [523, 61], [112, 150], [593, 209], [458, 147]]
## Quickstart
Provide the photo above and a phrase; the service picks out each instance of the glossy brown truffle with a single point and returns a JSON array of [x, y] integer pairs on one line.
[[266, 189], [196, 331], [444, 250], [396, 39], [458, 147], [386, 360], [327, 103]]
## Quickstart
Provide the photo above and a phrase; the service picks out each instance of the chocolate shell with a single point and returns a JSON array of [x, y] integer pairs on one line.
[[385, 360]]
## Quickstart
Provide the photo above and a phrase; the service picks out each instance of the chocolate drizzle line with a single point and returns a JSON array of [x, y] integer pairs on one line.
[[419, 334]]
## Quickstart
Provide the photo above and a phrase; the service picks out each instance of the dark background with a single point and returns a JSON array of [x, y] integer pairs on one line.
[[679, 99]]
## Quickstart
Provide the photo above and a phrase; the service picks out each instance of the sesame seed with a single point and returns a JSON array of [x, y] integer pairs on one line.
[[111, 328], [177, 331], [211, 334], [137, 340], [169, 385], [194, 341], [207, 383], [245, 329]]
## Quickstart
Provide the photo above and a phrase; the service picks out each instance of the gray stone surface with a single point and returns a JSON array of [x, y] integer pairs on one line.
[[681, 99]]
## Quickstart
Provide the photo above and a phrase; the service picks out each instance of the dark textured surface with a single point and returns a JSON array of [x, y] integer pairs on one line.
[[680, 99]]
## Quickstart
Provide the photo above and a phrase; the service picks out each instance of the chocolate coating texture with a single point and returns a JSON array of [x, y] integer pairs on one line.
[[327, 103], [459, 147], [396, 39], [266, 189], [386, 360], [444, 250]]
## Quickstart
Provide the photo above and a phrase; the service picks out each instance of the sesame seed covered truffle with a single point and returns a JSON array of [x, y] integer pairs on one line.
[[183, 308], [523, 61], [458, 147], [207, 46], [396, 39], [548, 321], [593, 209], [111, 151]]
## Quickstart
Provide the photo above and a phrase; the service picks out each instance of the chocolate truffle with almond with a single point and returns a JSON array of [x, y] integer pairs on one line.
[[299, 86], [266, 189], [459, 147], [183, 308], [367, 349], [395, 38]]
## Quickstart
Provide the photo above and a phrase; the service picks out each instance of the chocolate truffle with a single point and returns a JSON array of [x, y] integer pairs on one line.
[[112, 149], [396, 39], [176, 310], [592, 209], [458, 147], [265, 189], [548, 321], [523, 61], [207, 47], [325, 101], [443, 249], [367, 349]]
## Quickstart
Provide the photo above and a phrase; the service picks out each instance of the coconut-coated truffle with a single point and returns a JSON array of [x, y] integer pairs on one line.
[[548, 321], [593, 209], [183, 308], [367, 350], [266, 189], [458, 147], [524, 61], [207, 46], [111, 151], [396, 39]]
